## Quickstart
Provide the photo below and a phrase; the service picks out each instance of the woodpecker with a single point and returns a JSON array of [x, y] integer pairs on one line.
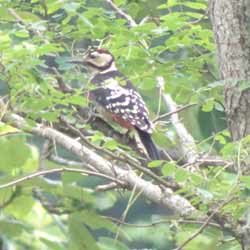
[[115, 94]]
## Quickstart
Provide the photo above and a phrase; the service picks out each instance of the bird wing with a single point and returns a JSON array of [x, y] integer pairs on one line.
[[124, 103]]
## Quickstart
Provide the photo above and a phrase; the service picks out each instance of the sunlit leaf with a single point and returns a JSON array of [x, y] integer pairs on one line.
[[14, 153]]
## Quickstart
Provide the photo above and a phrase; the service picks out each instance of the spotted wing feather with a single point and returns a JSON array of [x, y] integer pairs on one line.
[[124, 103]]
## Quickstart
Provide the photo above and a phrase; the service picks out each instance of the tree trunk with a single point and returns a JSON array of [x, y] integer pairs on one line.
[[231, 26]]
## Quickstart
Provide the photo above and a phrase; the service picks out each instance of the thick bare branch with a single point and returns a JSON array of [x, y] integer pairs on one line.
[[186, 140], [163, 196]]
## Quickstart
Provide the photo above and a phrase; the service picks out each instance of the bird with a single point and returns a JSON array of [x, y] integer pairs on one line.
[[117, 98]]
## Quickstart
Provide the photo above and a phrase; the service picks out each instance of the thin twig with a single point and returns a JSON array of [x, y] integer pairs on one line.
[[205, 224], [5, 203], [11, 133], [45, 153], [16, 16], [161, 89], [63, 161], [61, 84], [58, 170], [132, 198], [178, 110], [130, 20], [205, 15], [21, 21], [118, 221], [106, 187]]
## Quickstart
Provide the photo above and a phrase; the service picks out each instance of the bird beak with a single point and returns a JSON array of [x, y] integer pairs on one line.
[[76, 61]]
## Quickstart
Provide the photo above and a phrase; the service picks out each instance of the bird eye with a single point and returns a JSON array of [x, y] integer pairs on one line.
[[93, 55]]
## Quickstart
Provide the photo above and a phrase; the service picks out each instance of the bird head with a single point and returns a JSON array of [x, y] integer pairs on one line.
[[97, 60]]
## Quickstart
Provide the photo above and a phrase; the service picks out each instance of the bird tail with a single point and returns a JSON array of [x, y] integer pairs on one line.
[[149, 145]]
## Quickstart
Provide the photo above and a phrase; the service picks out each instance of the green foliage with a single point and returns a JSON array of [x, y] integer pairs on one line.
[[208, 240], [173, 40], [12, 159], [80, 238]]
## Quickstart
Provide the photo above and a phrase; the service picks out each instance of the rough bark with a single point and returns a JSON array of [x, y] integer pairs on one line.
[[231, 26]]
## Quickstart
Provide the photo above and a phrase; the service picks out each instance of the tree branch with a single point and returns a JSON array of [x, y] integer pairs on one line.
[[124, 158], [130, 20], [159, 195], [59, 170], [206, 223], [65, 162], [155, 223], [178, 110], [186, 140]]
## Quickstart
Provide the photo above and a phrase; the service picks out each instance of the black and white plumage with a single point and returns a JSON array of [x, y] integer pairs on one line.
[[123, 101], [114, 93]]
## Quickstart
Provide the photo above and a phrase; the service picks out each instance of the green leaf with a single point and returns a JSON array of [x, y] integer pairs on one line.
[[28, 16], [208, 106], [14, 153], [95, 221], [220, 138], [111, 144], [79, 237], [5, 14], [106, 243], [50, 116], [148, 83], [4, 41], [171, 3], [53, 6], [86, 21], [7, 193], [20, 206], [11, 228], [69, 178], [105, 201], [48, 48], [154, 164], [5, 129], [245, 180], [229, 150], [21, 33], [195, 5], [53, 245], [169, 169], [79, 193], [77, 100], [71, 7], [97, 137], [243, 85], [181, 175]]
